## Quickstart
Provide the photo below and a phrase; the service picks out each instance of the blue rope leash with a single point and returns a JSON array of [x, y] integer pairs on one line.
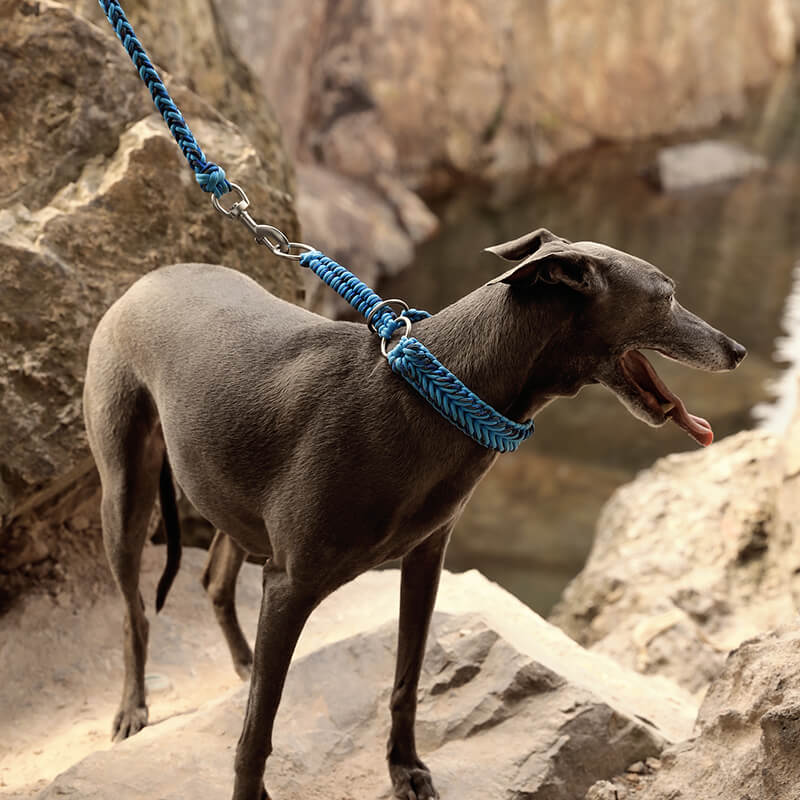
[[409, 358], [209, 175]]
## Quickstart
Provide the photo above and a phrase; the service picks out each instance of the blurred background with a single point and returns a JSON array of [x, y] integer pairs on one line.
[[402, 138], [505, 116], [732, 246]]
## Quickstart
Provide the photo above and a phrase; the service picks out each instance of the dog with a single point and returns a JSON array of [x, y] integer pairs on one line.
[[290, 434]]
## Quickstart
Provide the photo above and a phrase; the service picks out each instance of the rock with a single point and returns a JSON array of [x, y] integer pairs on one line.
[[431, 93], [379, 220], [67, 661], [104, 197], [694, 556], [688, 166], [490, 719], [747, 734], [187, 40], [357, 227]]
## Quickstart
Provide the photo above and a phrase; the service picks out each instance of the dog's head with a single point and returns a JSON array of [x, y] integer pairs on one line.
[[620, 304]]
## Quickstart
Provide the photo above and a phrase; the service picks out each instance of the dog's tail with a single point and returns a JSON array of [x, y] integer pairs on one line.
[[172, 526]]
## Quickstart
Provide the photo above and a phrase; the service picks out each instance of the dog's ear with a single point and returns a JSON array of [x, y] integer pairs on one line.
[[526, 245], [556, 262]]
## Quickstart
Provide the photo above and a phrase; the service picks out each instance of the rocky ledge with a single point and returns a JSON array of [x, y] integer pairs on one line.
[[509, 705]]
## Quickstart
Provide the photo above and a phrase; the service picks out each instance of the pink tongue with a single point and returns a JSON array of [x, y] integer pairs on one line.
[[697, 427]]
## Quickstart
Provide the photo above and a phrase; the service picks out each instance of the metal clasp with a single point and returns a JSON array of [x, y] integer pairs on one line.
[[268, 235]]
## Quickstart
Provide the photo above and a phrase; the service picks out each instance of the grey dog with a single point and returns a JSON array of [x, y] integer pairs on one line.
[[294, 438]]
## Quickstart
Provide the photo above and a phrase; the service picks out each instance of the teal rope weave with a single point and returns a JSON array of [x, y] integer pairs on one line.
[[357, 293], [410, 359], [453, 400], [209, 175]]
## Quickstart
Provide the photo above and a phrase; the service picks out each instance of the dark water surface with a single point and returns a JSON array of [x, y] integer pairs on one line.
[[732, 249]]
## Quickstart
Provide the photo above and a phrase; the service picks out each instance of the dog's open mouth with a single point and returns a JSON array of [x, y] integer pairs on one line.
[[661, 402]]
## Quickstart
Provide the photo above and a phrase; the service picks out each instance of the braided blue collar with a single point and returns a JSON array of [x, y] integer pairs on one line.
[[413, 361], [408, 358]]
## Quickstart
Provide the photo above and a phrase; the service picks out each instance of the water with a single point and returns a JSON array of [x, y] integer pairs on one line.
[[732, 249]]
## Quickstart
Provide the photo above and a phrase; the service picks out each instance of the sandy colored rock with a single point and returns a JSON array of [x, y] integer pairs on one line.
[[187, 40], [690, 559], [490, 720], [65, 651], [430, 92], [746, 737], [102, 199], [687, 166]]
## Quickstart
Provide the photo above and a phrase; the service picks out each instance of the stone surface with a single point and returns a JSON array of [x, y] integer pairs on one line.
[[371, 224], [65, 654], [104, 197], [691, 558], [358, 227], [431, 92], [747, 734], [491, 721], [187, 40], [688, 166]]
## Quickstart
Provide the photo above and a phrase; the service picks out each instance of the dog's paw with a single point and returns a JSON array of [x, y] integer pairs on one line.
[[244, 668], [412, 782], [128, 721]]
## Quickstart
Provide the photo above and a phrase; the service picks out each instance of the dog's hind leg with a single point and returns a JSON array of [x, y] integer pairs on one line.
[[126, 441], [225, 559], [421, 568]]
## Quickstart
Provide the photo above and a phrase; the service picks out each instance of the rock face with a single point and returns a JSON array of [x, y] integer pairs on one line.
[[687, 166], [503, 691], [371, 230], [101, 199], [691, 558], [747, 733], [428, 91], [492, 720]]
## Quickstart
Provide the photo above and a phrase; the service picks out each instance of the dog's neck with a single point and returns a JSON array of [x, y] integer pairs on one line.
[[506, 346]]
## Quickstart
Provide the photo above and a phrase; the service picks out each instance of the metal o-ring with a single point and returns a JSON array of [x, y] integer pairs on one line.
[[378, 306]]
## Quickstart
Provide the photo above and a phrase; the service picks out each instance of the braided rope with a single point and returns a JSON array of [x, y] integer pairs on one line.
[[357, 293], [209, 175], [419, 367], [453, 400]]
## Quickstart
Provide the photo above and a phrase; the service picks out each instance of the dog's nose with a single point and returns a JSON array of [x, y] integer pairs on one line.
[[738, 352]]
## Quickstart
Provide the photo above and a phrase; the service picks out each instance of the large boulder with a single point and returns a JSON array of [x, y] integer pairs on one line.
[[370, 224], [188, 39], [434, 91], [688, 166], [746, 738], [507, 702], [498, 678], [86, 209], [697, 554]]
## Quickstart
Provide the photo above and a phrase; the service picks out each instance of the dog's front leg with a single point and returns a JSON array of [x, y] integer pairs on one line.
[[285, 607], [411, 779]]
